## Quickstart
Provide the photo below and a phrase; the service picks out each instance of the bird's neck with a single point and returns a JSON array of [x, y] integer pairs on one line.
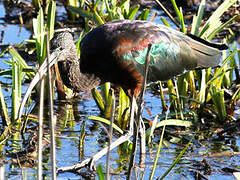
[[75, 79]]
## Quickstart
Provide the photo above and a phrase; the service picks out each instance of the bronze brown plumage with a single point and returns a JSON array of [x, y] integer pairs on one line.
[[116, 51]]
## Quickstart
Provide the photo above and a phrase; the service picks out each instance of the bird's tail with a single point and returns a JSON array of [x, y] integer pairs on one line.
[[208, 53]]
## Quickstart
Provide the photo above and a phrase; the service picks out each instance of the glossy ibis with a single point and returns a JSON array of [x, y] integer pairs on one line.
[[116, 51]]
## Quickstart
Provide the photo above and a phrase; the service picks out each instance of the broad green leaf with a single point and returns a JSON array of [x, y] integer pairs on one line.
[[106, 121], [174, 122], [98, 99]]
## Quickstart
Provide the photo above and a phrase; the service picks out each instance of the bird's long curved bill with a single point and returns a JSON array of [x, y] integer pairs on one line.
[[39, 75]]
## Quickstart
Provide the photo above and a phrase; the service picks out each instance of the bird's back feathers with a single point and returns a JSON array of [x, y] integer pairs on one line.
[[126, 42]]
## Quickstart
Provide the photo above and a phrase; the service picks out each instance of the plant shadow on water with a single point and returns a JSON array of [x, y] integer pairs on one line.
[[77, 137]]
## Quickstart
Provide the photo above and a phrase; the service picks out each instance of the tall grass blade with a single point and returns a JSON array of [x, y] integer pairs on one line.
[[16, 89], [172, 93], [108, 105], [133, 12], [110, 12], [228, 73], [40, 129], [125, 6], [218, 100], [214, 21], [220, 70], [237, 69], [150, 133], [180, 16], [144, 14], [52, 123], [78, 43], [83, 2], [114, 9], [98, 99], [159, 146], [235, 97], [178, 159], [94, 16], [198, 19], [76, 4], [98, 17], [51, 18], [36, 4], [202, 93], [100, 172], [4, 136], [39, 35], [212, 35], [17, 57], [164, 106], [105, 91], [123, 109], [165, 22], [182, 84], [3, 108]]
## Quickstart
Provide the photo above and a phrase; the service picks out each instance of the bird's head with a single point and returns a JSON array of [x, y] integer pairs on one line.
[[62, 48]]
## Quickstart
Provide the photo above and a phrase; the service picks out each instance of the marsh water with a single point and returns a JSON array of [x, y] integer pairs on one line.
[[72, 147]]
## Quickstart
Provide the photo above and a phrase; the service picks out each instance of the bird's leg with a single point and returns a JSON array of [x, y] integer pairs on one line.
[[135, 137], [110, 132], [140, 120], [140, 127]]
